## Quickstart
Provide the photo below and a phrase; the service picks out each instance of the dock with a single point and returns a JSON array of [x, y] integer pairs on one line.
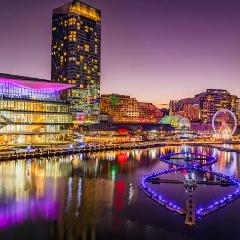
[[170, 181]]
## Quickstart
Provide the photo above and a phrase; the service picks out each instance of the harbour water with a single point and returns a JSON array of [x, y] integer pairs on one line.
[[96, 196]]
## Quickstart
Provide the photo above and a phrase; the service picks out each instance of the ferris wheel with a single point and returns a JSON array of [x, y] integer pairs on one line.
[[224, 124]]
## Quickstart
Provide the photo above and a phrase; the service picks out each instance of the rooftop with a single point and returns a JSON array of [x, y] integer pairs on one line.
[[33, 83], [80, 8]]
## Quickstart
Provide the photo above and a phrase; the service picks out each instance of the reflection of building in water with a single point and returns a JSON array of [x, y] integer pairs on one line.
[[14, 181], [51, 168], [78, 192], [28, 197], [37, 189], [227, 161], [86, 202], [89, 202]]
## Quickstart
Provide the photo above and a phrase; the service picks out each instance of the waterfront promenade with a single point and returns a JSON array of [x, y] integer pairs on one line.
[[13, 154]]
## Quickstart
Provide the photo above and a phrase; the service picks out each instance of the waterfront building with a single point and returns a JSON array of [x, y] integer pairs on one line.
[[188, 107], [126, 109], [238, 111], [164, 111], [157, 132], [108, 133], [32, 111], [173, 107], [182, 128], [76, 49], [120, 107], [203, 106], [150, 112], [110, 137], [214, 100], [177, 122]]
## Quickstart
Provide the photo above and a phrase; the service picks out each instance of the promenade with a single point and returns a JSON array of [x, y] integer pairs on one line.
[[71, 149]]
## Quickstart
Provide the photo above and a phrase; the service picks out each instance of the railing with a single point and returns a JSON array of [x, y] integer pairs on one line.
[[14, 154]]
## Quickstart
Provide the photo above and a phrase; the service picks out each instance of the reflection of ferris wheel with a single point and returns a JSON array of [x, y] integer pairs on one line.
[[224, 124]]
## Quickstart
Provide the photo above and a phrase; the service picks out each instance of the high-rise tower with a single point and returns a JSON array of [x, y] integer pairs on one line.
[[76, 50]]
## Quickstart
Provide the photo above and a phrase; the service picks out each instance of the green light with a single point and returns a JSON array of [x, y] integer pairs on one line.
[[114, 100], [113, 169]]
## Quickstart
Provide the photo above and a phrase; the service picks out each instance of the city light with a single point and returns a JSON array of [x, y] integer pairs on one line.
[[131, 127], [189, 166]]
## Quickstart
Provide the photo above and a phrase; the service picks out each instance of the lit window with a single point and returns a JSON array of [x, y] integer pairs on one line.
[[86, 47]]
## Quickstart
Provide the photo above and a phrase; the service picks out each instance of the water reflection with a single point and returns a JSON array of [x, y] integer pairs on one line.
[[87, 195]]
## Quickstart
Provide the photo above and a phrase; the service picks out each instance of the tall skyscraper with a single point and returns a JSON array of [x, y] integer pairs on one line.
[[76, 50]]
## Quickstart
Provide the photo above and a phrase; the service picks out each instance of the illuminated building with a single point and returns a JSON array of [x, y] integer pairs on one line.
[[76, 49], [157, 132], [110, 137], [189, 108], [204, 105], [32, 111], [176, 121], [150, 112], [214, 100], [192, 112], [126, 109], [173, 107], [164, 111], [120, 107], [238, 110], [107, 134]]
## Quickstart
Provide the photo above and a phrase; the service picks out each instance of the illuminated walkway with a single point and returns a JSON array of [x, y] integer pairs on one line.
[[158, 181], [71, 149], [190, 185]]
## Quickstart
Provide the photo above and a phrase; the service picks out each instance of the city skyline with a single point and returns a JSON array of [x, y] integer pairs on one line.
[[119, 119], [180, 44]]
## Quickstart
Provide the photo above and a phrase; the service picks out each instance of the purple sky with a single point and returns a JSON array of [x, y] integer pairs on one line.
[[155, 50]]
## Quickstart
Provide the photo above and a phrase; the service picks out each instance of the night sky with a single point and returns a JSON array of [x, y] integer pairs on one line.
[[155, 50]]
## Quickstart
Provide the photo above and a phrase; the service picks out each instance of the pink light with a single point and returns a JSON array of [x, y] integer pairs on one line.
[[38, 85], [19, 212]]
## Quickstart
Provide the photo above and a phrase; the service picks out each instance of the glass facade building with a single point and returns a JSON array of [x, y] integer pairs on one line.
[[33, 112], [76, 49]]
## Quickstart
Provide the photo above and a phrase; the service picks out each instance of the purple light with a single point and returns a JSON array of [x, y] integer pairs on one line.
[[37, 85], [21, 211], [174, 207], [209, 159]]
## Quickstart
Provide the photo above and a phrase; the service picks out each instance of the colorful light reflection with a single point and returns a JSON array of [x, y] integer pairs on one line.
[[19, 212], [202, 211]]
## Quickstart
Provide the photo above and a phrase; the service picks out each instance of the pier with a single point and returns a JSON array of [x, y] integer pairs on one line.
[[159, 181]]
